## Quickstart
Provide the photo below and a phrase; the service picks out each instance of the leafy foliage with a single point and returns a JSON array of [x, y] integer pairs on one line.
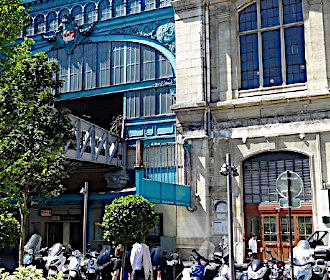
[[13, 18], [33, 134], [27, 273], [9, 229], [128, 219]]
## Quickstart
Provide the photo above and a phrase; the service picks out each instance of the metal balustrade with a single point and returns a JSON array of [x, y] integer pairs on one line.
[[94, 144]]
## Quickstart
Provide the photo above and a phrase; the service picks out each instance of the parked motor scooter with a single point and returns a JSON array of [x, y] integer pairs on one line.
[[55, 260], [31, 247], [277, 267], [174, 267], [89, 265], [72, 270], [105, 263], [204, 269]]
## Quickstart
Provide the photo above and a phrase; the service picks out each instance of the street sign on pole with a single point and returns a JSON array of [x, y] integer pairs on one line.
[[289, 186], [282, 184]]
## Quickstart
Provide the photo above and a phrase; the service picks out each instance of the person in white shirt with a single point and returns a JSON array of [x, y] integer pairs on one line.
[[141, 262], [253, 246]]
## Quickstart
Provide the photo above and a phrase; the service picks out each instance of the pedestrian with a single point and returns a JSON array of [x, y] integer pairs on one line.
[[141, 262], [253, 246], [118, 262]]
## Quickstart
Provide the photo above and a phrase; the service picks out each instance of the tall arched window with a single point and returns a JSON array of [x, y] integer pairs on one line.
[[272, 44], [51, 22], [39, 24], [118, 8], [61, 14], [90, 13], [104, 10], [77, 14]]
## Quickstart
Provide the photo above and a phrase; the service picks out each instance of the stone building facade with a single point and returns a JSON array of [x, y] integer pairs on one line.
[[253, 81]]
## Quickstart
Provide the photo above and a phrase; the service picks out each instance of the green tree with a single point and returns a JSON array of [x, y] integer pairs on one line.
[[13, 17], [33, 133], [128, 219], [9, 229]]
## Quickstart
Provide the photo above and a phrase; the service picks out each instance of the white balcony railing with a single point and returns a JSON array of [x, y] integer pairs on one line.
[[94, 144]]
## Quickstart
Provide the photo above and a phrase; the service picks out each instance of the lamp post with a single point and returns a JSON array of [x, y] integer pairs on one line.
[[84, 191], [228, 170]]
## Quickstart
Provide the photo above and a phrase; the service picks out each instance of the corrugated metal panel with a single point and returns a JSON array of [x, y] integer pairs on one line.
[[260, 177]]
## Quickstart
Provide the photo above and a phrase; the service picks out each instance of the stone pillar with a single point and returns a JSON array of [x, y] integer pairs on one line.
[[190, 51], [315, 45]]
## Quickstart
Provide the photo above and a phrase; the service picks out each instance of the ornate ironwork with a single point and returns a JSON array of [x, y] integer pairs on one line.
[[94, 144]]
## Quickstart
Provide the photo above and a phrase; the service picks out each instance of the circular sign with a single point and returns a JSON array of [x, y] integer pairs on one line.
[[282, 184]]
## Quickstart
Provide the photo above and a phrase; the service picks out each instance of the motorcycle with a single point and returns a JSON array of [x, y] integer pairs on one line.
[[303, 261], [174, 267], [277, 267], [72, 271], [105, 263], [204, 269], [55, 260], [33, 254], [89, 265], [31, 247]]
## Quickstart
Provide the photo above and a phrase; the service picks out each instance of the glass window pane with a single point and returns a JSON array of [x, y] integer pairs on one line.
[[90, 13], [149, 4], [77, 14], [133, 6], [117, 62], [271, 50], [90, 64], [133, 62], [249, 61], [295, 55], [104, 10], [292, 11], [51, 22], [148, 60], [118, 7], [269, 13], [248, 18], [76, 69], [104, 57]]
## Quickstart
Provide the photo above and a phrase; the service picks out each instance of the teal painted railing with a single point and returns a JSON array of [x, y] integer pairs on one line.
[[161, 192]]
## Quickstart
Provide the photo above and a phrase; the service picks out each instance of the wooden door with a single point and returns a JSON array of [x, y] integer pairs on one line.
[[275, 229]]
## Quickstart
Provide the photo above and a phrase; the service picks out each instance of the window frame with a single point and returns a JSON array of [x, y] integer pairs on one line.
[[259, 30]]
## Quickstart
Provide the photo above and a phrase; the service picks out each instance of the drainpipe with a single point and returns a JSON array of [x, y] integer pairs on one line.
[[207, 64]]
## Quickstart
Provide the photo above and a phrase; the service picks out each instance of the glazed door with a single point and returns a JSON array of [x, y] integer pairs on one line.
[[275, 232]]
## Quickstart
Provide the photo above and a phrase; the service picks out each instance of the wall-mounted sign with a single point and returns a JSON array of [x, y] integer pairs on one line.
[[46, 212]]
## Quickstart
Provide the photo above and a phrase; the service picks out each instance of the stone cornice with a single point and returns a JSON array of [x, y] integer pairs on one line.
[[179, 5], [270, 99]]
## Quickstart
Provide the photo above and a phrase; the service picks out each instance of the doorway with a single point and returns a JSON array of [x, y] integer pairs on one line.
[[54, 233], [261, 211]]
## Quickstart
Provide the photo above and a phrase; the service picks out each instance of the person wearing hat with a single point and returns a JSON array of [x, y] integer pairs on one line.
[[253, 246]]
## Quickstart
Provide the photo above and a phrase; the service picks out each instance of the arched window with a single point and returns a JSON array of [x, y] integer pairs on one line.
[[164, 3], [272, 44], [77, 14], [29, 29], [104, 10], [118, 8], [90, 13], [261, 172], [149, 5], [133, 6], [39, 24], [61, 14], [51, 22]]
